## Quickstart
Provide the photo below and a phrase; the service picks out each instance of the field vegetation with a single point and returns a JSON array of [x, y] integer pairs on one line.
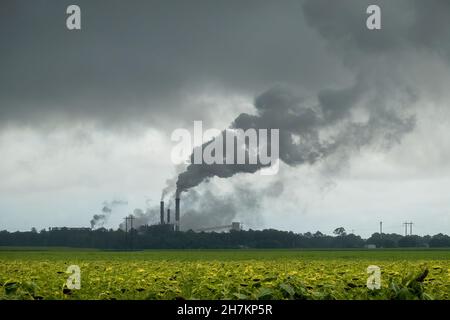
[[39, 273]]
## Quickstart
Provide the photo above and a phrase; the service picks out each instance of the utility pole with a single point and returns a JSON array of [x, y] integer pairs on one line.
[[126, 232], [131, 234], [381, 228]]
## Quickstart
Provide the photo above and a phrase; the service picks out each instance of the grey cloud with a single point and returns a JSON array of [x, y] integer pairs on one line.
[[406, 25], [137, 62]]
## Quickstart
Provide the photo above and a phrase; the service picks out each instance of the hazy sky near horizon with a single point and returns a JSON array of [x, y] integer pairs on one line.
[[86, 116]]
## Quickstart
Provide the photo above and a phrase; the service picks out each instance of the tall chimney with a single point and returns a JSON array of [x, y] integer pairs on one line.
[[177, 213], [168, 215], [162, 212]]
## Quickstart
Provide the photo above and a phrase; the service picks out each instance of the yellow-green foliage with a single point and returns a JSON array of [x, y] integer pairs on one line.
[[280, 278]]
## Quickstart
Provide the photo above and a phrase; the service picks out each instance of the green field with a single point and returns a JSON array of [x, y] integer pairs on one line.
[[40, 273]]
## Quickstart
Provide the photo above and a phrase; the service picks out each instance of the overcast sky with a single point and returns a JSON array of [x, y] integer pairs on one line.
[[86, 116]]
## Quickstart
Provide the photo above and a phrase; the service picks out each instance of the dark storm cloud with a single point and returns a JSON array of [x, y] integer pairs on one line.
[[138, 60], [406, 24]]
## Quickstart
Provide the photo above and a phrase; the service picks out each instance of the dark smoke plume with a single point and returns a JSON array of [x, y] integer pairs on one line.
[[308, 134], [99, 220]]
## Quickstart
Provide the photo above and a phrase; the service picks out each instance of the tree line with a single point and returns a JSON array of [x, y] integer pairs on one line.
[[163, 237]]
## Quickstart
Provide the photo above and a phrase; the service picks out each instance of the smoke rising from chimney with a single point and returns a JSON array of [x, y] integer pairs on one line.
[[99, 220], [309, 134], [171, 183]]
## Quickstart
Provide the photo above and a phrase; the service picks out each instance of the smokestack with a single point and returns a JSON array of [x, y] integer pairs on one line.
[[162, 212], [177, 212], [168, 215]]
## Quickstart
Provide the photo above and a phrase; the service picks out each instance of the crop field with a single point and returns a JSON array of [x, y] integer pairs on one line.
[[223, 274]]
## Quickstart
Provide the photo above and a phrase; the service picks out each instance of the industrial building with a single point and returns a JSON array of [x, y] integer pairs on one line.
[[234, 226]]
